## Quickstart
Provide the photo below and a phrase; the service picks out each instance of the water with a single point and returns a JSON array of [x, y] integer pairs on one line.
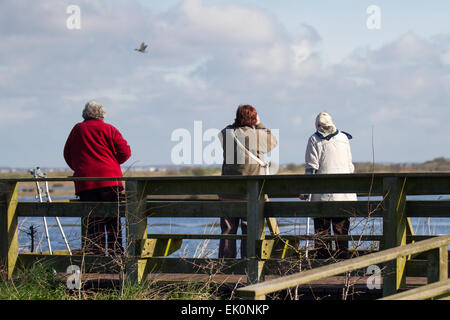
[[209, 248]]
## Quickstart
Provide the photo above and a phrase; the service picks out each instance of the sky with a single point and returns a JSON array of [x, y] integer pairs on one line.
[[290, 59]]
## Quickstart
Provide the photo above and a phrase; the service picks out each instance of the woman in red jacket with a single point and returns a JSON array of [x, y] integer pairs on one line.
[[96, 149]]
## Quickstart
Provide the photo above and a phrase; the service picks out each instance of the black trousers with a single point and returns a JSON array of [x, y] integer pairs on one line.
[[102, 231], [322, 227], [227, 248]]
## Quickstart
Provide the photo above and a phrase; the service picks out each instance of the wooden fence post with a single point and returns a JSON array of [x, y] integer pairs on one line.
[[394, 231], [437, 264], [136, 224], [9, 229], [255, 229]]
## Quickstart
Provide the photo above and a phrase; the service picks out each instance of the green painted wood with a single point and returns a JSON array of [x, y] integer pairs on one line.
[[70, 209], [196, 236], [196, 265], [276, 209], [255, 229], [197, 209], [304, 277], [88, 263], [437, 266], [159, 247], [9, 229], [394, 231], [136, 222], [205, 208], [428, 208], [419, 183], [335, 183], [416, 175], [289, 237]]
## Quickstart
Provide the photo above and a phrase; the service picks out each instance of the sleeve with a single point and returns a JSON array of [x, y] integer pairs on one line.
[[221, 135], [312, 155], [67, 149], [123, 150], [266, 140], [350, 160]]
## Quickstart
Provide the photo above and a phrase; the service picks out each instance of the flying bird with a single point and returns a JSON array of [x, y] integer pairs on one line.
[[142, 48]]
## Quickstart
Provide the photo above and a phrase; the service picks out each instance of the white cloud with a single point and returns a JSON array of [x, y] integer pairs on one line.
[[203, 60], [227, 23]]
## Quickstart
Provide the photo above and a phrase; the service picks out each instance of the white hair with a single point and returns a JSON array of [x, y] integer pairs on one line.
[[94, 110], [324, 124]]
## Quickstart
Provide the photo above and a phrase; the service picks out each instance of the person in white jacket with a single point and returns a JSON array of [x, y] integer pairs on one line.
[[328, 151]]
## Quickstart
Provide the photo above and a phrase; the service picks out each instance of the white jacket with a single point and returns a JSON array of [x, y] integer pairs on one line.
[[330, 156]]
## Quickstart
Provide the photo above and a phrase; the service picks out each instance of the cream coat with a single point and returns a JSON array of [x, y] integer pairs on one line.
[[333, 156]]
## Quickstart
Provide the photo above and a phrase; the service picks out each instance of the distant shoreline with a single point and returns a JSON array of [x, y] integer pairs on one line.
[[27, 189]]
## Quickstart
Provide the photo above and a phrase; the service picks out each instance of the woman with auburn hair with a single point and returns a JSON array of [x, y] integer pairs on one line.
[[243, 141]]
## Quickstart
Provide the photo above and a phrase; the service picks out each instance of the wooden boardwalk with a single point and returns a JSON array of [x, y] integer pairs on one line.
[[149, 254], [330, 288]]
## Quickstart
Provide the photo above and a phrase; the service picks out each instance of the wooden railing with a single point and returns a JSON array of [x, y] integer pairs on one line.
[[438, 268], [197, 197]]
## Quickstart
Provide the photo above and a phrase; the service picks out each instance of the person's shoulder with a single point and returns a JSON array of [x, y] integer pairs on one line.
[[344, 135], [228, 127], [314, 138]]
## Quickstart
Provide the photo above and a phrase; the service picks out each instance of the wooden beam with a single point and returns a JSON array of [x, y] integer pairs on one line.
[[255, 229], [394, 231], [205, 208], [196, 236], [197, 209], [59, 262], [436, 289], [9, 229], [335, 183], [136, 222], [263, 288], [427, 208], [74, 208], [159, 247]]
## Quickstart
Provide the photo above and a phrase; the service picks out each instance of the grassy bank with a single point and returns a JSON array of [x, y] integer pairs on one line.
[[40, 282]]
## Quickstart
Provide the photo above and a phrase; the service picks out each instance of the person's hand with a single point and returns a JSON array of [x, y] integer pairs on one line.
[[303, 197]]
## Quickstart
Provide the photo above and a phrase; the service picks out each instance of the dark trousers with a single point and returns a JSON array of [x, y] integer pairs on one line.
[[322, 227], [227, 248], [102, 231]]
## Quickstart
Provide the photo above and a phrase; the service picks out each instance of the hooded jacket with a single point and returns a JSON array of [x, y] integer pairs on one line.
[[330, 154], [96, 149]]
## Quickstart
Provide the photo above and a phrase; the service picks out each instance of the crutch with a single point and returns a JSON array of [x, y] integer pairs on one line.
[[307, 228], [37, 173]]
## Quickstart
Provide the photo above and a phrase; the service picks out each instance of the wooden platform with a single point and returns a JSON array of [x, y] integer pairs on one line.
[[332, 288]]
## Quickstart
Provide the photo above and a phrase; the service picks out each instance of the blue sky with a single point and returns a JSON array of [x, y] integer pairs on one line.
[[290, 59]]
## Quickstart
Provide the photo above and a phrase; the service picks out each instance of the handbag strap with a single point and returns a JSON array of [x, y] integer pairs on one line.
[[258, 160]]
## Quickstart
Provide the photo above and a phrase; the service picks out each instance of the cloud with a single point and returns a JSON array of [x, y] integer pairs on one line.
[[205, 59]]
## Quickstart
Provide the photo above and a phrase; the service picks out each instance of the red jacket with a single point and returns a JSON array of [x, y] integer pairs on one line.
[[96, 149]]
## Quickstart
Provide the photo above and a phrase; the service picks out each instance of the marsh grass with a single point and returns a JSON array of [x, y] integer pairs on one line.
[[36, 283], [41, 282]]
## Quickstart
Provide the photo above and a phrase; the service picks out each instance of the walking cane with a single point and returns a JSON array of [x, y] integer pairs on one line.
[[307, 228], [37, 173]]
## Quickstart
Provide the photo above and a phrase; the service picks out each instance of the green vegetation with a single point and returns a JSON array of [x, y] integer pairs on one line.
[[40, 282], [440, 164], [37, 283], [436, 165]]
